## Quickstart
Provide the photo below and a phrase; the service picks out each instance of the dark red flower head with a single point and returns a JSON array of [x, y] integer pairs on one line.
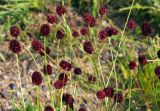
[[60, 34], [68, 99], [75, 34], [91, 78], [92, 23], [158, 54], [146, 28], [109, 92], [60, 10], [36, 78], [64, 78], [102, 10], [132, 65], [58, 84], [45, 30], [47, 69], [157, 71], [102, 35], [15, 46], [111, 31], [36, 45], [101, 94], [87, 17], [65, 65], [131, 24], [82, 109], [118, 97], [52, 19], [48, 108], [77, 71], [87, 47], [142, 60], [84, 31], [15, 31], [47, 50]]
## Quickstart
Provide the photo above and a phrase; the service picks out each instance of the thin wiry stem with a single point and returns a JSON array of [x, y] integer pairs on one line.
[[20, 84]]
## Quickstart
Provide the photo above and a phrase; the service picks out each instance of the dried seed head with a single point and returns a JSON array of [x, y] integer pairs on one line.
[[87, 47], [48, 108], [109, 92], [14, 31], [101, 94], [146, 28], [15, 46], [118, 97], [36, 78], [45, 30], [60, 10], [58, 84], [47, 69], [132, 65], [36, 45], [102, 10], [52, 19], [65, 65]]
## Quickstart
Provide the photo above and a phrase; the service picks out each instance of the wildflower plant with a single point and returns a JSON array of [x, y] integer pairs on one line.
[[71, 65]]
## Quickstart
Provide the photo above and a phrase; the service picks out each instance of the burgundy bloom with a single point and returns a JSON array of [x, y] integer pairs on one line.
[[60, 10], [68, 99], [111, 31], [64, 78], [92, 23], [142, 60], [102, 34], [157, 71], [87, 47], [15, 46], [47, 50], [45, 30], [47, 69], [82, 109], [75, 34], [132, 65], [60, 34], [52, 19], [48, 108], [101, 94], [131, 24], [84, 31], [65, 65], [109, 92], [87, 17], [91, 78], [58, 84], [118, 97], [36, 45], [15, 31], [158, 54], [77, 71], [146, 28], [36, 78], [102, 10]]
